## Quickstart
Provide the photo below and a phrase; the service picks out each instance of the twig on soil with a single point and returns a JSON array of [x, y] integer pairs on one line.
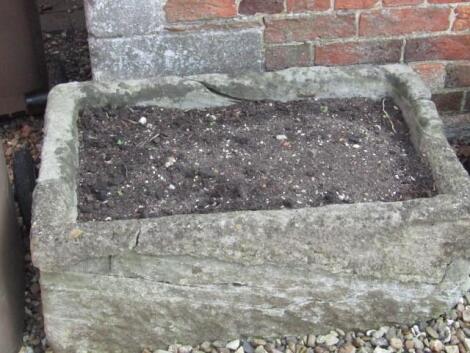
[[142, 144], [388, 116]]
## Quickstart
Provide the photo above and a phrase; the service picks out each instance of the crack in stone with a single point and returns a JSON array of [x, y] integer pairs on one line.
[[215, 91]]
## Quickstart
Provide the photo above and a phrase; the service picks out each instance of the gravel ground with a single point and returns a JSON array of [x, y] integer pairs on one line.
[[449, 333], [67, 57]]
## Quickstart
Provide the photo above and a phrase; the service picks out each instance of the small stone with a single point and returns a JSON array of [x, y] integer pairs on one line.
[[329, 340], [358, 342], [143, 121], [160, 351], [247, 347], [467, 343], [418, 343], [396, 343], [409, 344], [233, 345], [436, 346], [392, 332], [223, 350], [206, 347], [218, 344], [257, 342], [281, 137], [311, 340], [381, 350], [185, 349], [173, 348], [466, 315], [452, 349], [170, 162], [260, 349], [379, 342], [347, 348], [432, 332], [240, 350], [380, 332]]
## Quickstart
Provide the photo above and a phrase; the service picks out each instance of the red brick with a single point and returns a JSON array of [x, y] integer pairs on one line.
[[287, 56], [438, 48], [462, 19], [445, 1], [390, 3], [301, 29], [433, 74], [307, 5], [403, 21], [190, 10], [251, 7], [458, 75], [448, 101], [354, 4], [371, 52]]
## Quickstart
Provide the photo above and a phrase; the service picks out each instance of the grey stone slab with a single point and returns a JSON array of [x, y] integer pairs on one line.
[[124, 18], [121, 285], [182, 54]]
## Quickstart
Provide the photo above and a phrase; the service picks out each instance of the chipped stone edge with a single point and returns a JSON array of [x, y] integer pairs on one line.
[[55, 199]]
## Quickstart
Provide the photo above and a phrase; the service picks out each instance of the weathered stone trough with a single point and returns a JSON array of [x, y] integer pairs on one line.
[[120, 286]]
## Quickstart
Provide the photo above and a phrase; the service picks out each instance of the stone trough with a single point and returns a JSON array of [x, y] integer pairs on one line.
[[120, 286]]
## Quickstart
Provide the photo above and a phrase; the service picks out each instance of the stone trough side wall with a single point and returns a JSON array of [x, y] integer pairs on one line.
[[142, 38]]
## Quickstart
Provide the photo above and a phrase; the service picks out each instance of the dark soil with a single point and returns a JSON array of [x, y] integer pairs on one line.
[[251, 156], [67, 56], [463, 152]]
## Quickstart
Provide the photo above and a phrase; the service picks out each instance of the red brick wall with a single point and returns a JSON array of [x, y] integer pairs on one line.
[[433, 36]]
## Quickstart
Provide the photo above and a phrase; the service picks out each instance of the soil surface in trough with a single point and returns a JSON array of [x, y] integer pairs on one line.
[[140, 162]]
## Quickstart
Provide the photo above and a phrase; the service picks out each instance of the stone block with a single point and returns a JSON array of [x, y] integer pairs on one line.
[[185, 53], [123, 18]]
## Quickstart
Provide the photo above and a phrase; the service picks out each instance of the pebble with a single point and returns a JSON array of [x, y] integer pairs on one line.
[[347, 348], [258, 342], [381, 350], [396, 343], [452, 349], [185, 349], [233, 345], [466, 315], [418, 344], [432, 332], [240, 350], [260, 349], [218, 344], [467, 343], [206, 347], [311, 340], [409, 344], [247, 347], [170, 162], [281, 137], [329, 340], [143, 121], [436, 346]]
